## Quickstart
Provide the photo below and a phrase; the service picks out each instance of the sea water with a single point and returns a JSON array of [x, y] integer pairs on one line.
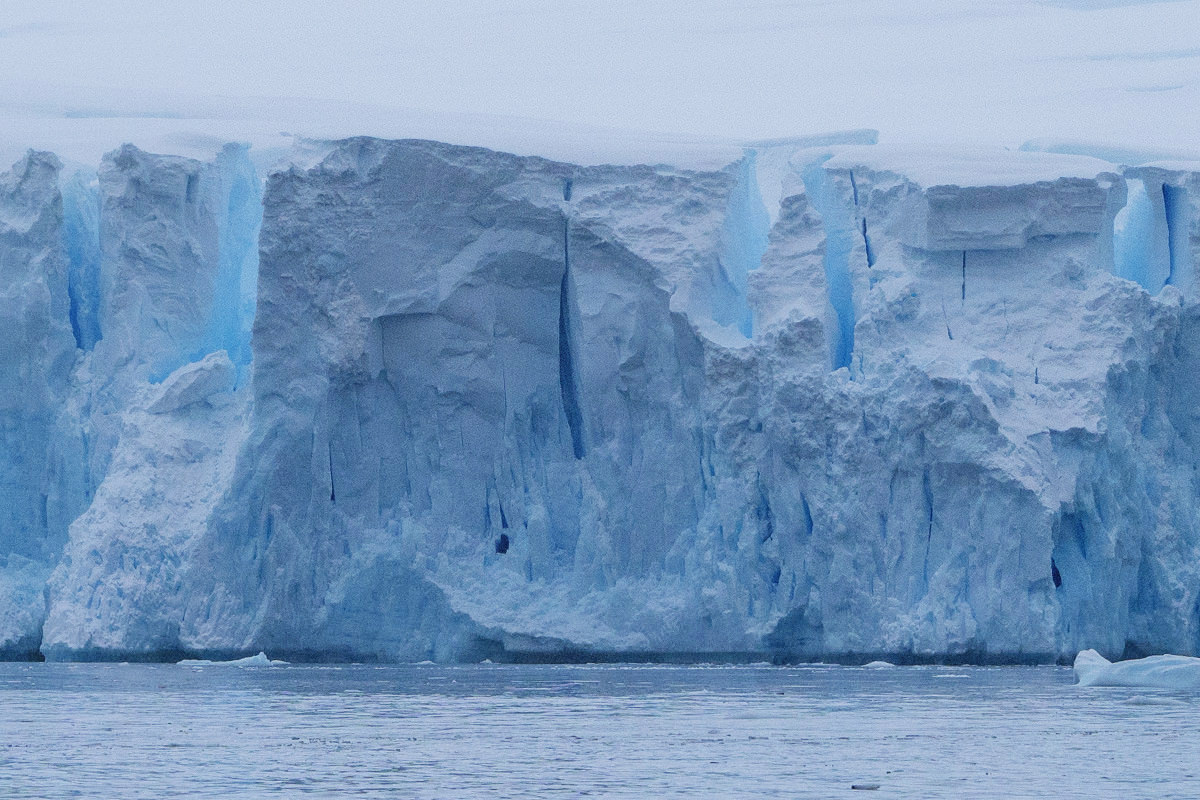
[[521, 731]]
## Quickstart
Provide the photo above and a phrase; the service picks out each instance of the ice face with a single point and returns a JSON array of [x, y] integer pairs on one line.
[[549, 287], [38, 454], [160, 284], [498, 405], [159, 259]]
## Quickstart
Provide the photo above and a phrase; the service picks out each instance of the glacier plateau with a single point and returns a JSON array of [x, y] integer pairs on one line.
[[412, 400]]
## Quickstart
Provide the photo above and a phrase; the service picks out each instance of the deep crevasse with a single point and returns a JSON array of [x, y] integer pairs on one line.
[[238, 223], [838, 225], [744, 240], [81, 239]]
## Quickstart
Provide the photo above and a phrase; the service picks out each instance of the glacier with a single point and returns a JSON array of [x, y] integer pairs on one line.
[[409, 400]]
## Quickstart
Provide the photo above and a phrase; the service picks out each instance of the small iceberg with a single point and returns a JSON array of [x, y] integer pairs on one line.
[[878, 665], [1157, 672], [259, 660]]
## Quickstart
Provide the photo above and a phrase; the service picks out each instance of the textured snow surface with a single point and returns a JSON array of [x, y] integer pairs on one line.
[[1157, 672], [825, 399]]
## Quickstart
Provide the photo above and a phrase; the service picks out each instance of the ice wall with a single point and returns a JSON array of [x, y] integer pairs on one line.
[[506, 407], [487, 488], [37, 456], [159, 248]]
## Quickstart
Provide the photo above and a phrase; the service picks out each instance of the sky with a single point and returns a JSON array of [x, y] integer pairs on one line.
[[532, 74]]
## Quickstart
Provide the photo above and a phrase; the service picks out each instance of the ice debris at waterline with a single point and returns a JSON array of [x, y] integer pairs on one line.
[[259, 660], [1159, 672], [830, 400]]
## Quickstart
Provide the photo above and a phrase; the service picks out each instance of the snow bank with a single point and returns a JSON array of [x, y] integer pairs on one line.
[[1159, 672]]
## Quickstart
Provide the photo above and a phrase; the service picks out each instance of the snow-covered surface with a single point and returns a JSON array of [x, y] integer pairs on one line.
[[928, 166], [1156, 672], [549, 77]]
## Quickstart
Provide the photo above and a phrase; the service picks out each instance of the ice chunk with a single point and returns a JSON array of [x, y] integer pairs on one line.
[[194, 383], [259, 660], [1160, 672]]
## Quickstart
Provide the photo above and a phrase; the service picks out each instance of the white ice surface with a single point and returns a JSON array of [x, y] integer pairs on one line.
[[1156, 672], [940, 165], [260, 660]]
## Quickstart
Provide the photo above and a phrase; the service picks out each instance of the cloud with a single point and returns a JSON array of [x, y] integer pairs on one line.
[[31, 29]]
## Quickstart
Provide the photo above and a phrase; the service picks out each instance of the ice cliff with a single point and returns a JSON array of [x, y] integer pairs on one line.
[[829, 401]]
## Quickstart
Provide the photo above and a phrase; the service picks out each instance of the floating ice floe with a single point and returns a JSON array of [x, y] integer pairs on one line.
[[1161, 672], [259, 660]]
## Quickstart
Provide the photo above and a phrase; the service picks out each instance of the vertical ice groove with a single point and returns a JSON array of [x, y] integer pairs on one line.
[[927, 497], [81, 242], [332, 483], [1177, 211], [862, 216], [568, 380], [867, 243], [240, 213], [964, 276], [839, 242], [743, 243], [1141, 242]]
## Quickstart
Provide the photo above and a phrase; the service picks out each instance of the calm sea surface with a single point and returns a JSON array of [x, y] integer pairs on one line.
[[156, 731]]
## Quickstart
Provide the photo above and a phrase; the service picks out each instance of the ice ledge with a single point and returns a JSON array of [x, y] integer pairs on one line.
[[194, 383], [927, 166]]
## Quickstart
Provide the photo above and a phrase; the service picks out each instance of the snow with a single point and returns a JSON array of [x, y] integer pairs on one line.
[[564, 78], [1157, 672], [930, 166]]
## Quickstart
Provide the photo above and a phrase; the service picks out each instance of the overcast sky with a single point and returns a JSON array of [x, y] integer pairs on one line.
[[931, 70]]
